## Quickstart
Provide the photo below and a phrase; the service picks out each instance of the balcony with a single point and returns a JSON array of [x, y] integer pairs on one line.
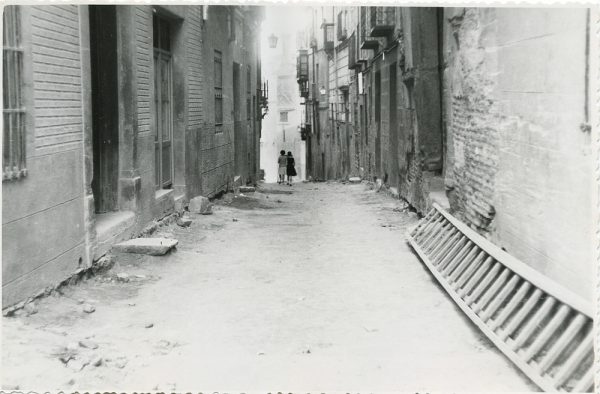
[[304, 91], [366, 42], [328, 42], [382, 21], [356, 56], [305, 130], [263, 101], [302, 66]]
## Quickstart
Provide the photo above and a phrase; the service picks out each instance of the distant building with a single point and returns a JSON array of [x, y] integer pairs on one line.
[[114, 116], [485, 110], [282, 124]]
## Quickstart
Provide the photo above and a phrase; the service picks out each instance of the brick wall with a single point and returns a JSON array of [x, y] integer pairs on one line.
[[518, 163], [216, 152], [196, 70]]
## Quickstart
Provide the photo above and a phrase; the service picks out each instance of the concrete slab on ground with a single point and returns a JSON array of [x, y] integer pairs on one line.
[[149, 246]]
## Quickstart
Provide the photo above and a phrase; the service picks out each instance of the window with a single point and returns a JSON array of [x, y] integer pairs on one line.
[[218, 65], [369, 109], [231, 24], [341, 26], [378, 97], [248, 80], [283, 117], [13, 137]]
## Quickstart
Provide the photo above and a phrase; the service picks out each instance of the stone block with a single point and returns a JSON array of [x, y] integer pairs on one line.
[[130, 189], [247, 189], [184, 222], [150, 246], [237, 181], [199, 204], [354, 179]]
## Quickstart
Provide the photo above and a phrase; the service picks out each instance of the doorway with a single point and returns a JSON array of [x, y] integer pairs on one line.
[[105, 108], [378, 123], [393, 147], [238, 147], [163, 103]]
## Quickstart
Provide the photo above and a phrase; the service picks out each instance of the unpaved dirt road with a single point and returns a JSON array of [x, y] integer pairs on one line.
[[313, 291]]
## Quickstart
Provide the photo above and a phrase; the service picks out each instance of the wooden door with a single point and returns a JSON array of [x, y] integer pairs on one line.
[[105, 107], [378, 124], [164, 120], [163, 105], [238, 133], [394, 130]]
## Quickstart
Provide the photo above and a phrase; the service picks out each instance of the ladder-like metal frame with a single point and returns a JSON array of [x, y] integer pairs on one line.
[[542, 327]]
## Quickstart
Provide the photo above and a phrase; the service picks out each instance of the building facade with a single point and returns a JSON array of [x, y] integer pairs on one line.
[[429, 102], [114, 116]]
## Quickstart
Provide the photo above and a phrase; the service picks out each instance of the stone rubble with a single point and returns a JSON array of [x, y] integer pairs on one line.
[[184, 222], [122, 277], [247, 189], [87, 308], [88, 344], [200, 205], [30, 308]]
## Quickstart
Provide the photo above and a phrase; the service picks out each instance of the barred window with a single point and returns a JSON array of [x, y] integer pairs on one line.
[[218, 65], [248, 93], [13, 137]]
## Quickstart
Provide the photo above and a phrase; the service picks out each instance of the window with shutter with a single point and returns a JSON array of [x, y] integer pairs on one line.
[[218, 68]]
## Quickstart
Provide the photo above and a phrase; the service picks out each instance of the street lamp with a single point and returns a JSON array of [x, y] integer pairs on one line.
[[272, 41]]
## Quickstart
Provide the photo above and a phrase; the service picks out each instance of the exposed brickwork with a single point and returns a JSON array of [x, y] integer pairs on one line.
[[195, 67], [195, 99], [518, 165], [216, 146], [473, 127], [475, 145]]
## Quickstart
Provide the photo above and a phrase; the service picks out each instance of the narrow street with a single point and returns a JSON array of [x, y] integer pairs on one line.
[[309, 287]]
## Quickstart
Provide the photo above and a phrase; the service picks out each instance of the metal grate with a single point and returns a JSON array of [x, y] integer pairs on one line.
[[545, 329]]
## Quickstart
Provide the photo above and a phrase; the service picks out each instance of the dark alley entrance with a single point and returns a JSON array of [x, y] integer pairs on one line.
[[105, 107]]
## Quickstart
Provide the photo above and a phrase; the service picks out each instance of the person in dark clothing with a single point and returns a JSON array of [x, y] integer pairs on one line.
[[290, 169]]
